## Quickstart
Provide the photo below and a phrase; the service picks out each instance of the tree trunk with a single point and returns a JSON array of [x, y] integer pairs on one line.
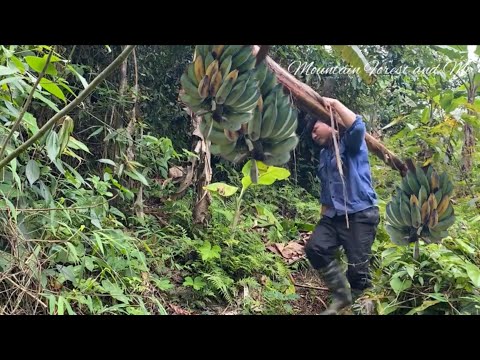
[[468, 137], [467, 149], [198, 173], [311, 102], [116, 121], [135, 135], [203, 175]]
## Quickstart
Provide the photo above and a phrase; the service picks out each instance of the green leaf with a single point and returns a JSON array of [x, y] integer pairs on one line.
[[188, 281], [439, 297], [410, 270], [446, 100], [115, 291], [425, 115], [60, 310], [52, 88], [246, 181], [7, 71], [66, 87], [107, 161], [470, 119], [75, 173], [12, 208], [32, 171], [464, 246], [453, 51], [99, 243], [30, 123], [198, 283], [95, 219], [477, 50], [77, 145], [388, 309], [399, 285], [37, 63], [354, 57], [51, 304], [67, 271], [18, 64], [222, 189], [52, 145], [39, 96], [305, 226], [473, 273], [96, 132], [425, 305], [135, 175], [246, 168], [163, 284], [208, 252], [263, 211], [89, 263], [69, 308], [394, 122], [113, 210], [267, 175], [72, 253], [10, 80], [7, 261], [410, 102], [80, 77]]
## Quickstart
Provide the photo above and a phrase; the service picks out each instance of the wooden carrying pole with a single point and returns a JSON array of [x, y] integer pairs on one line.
[[310, 101]]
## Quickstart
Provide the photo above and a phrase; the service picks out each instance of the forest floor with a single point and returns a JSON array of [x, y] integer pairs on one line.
[[313, 296]]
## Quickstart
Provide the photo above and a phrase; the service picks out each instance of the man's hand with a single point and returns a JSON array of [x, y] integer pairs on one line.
[[329, 103], [347, 116]]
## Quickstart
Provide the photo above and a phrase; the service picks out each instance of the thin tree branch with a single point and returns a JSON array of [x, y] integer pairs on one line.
[[89, 89], [26, 105]]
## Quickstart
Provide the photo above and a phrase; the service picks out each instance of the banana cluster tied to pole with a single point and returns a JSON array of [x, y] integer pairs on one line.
[[421, 208], [246, 114]]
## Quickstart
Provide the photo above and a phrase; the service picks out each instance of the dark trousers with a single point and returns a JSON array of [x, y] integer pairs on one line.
[[331, 233]]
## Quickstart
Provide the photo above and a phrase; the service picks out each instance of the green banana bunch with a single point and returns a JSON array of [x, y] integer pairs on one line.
[[224, 143], [220, 81], [421, 208], [245, 112], [274, 124]]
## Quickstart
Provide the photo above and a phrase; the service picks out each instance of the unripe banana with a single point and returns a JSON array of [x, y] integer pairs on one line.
[[212, 68], [217, 51], [203, 87], [216, 83], [226, 66], [199, 68]]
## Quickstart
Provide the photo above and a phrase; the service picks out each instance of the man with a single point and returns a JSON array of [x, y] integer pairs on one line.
[[358, 200]]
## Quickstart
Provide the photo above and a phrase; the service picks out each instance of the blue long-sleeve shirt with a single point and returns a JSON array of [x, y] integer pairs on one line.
[[358, 181]]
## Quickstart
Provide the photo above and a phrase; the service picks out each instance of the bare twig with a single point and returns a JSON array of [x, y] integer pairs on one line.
[[26, 105], [311, 287], [25, 291], [323, 302]]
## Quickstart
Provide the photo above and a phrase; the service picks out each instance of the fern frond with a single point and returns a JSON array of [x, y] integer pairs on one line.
[[222, 284]]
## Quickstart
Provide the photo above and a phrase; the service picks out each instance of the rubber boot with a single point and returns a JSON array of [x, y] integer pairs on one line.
[[337, 283], [365, 306]]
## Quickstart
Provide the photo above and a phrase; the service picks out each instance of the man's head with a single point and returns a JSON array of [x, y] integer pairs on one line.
[[322, 134]]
